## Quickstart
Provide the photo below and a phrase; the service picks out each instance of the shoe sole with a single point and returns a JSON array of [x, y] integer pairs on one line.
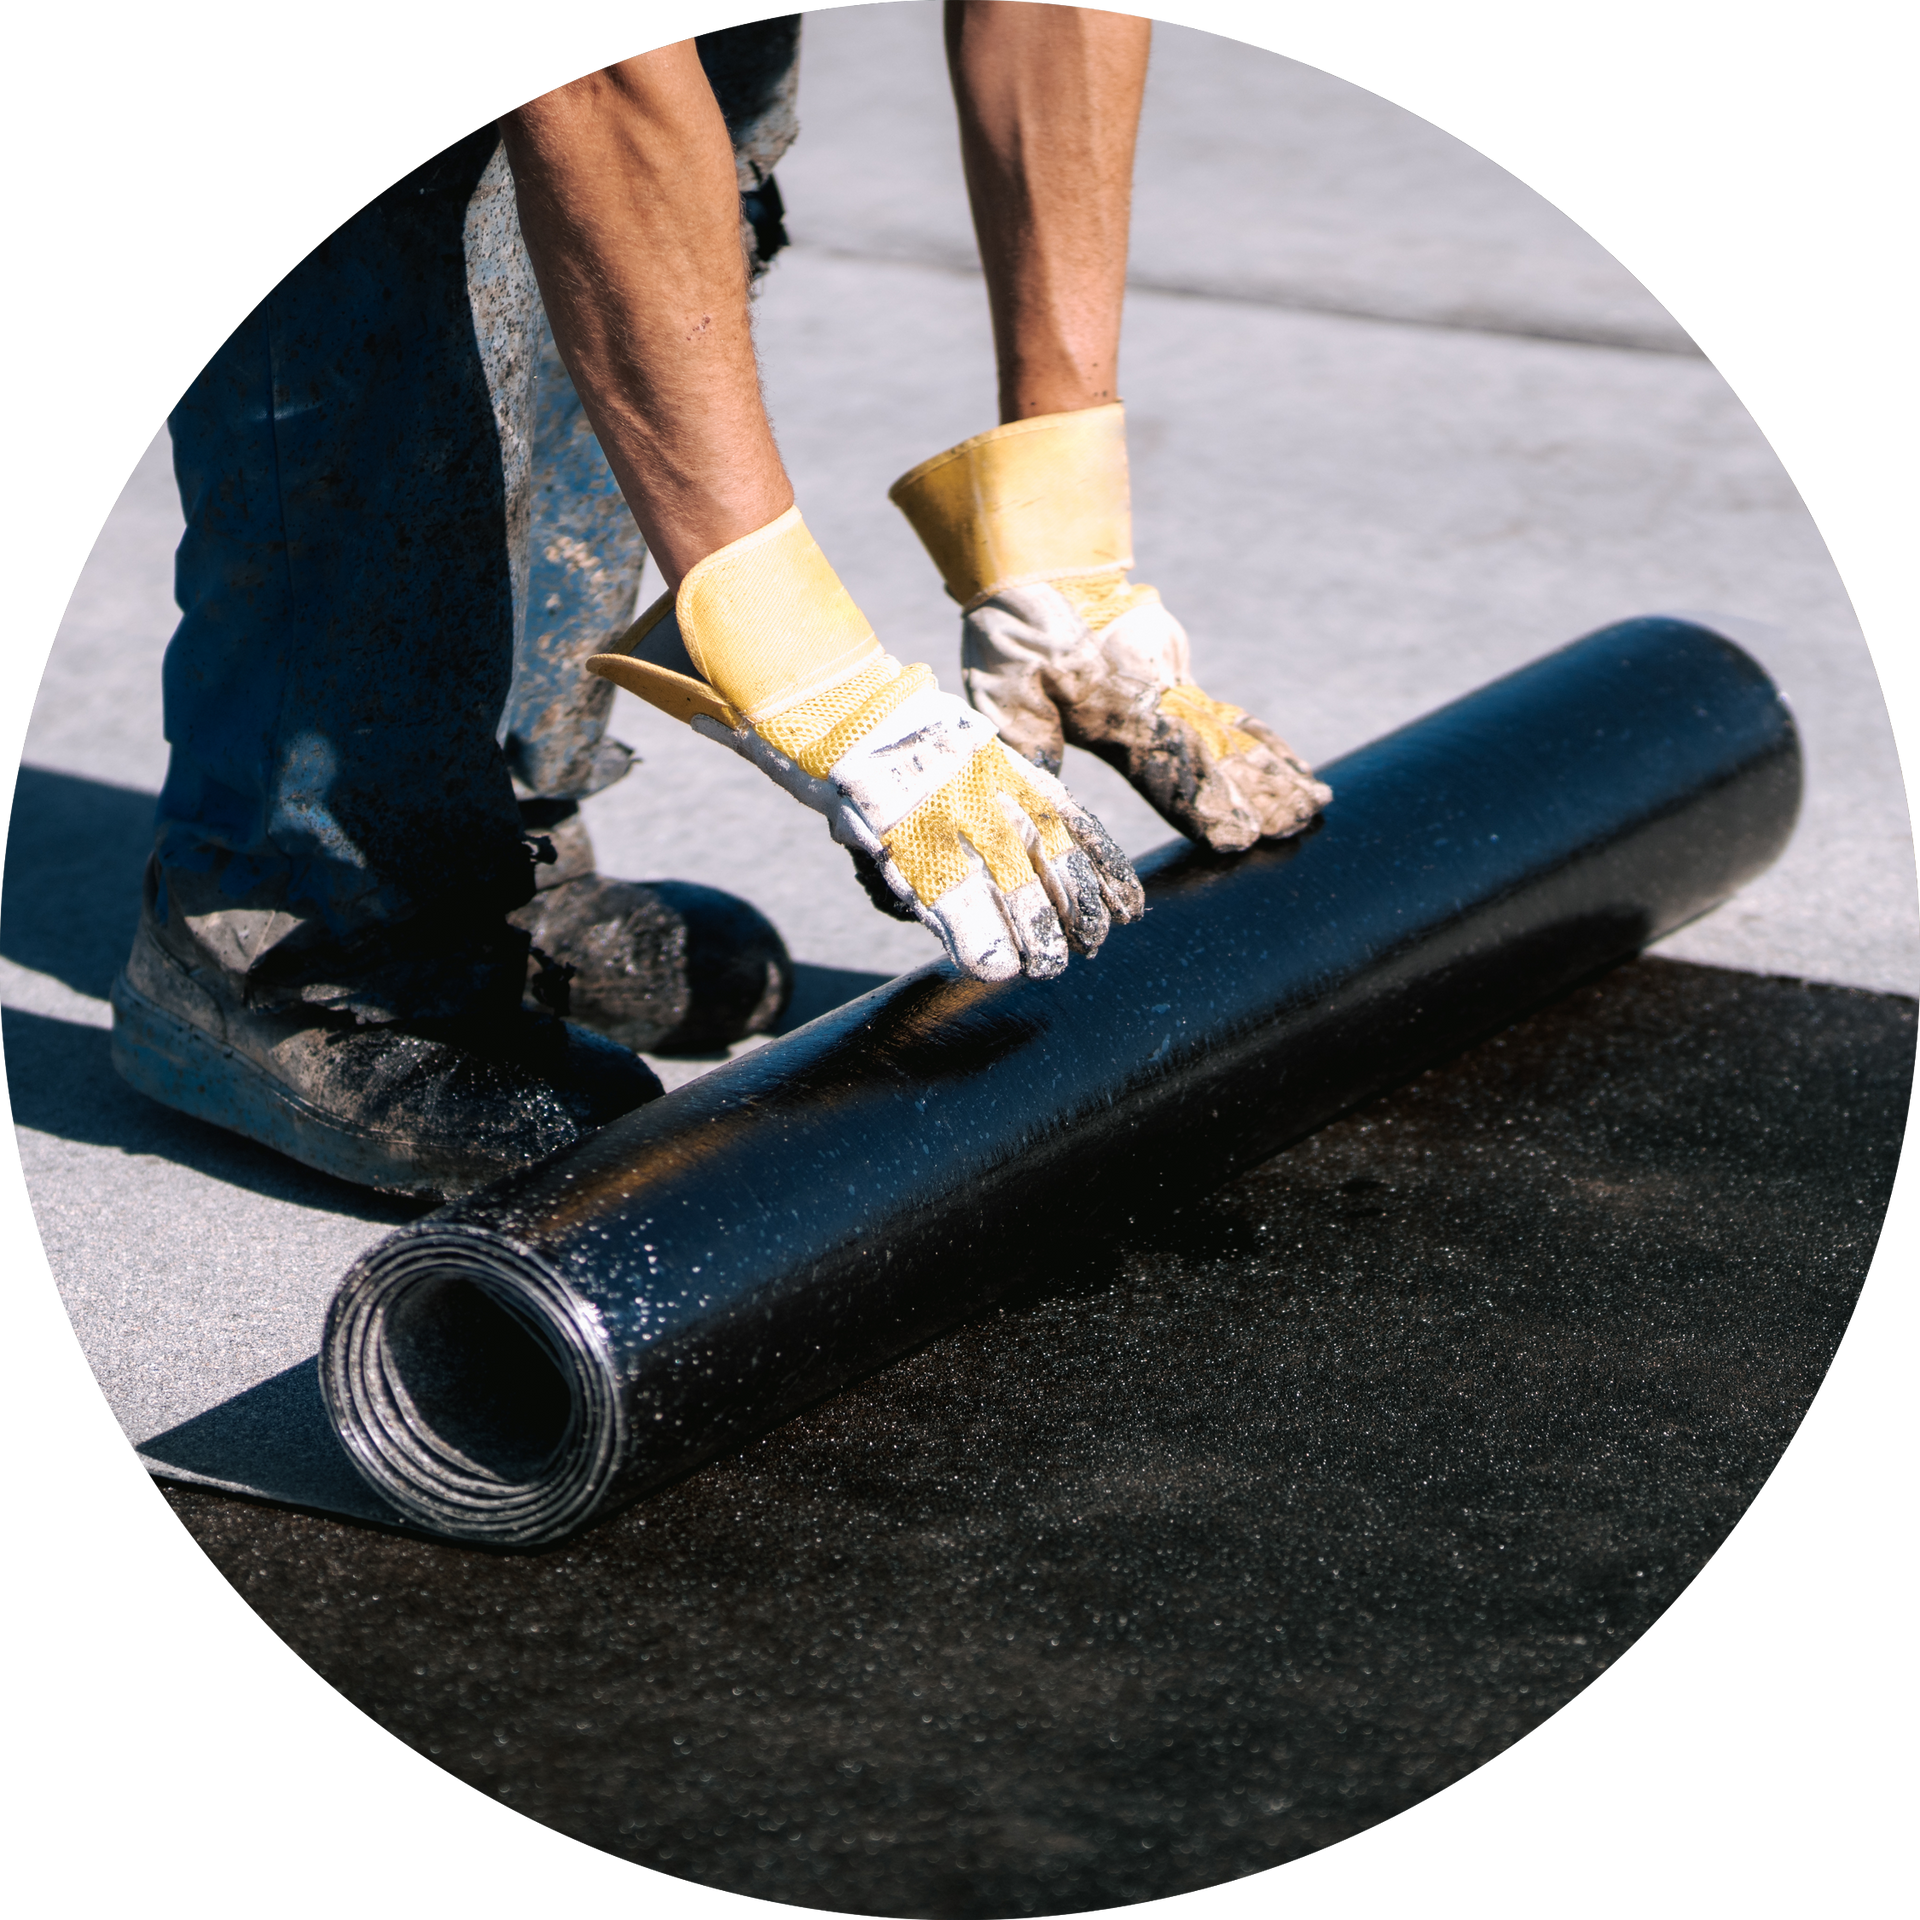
[[175, 1063]]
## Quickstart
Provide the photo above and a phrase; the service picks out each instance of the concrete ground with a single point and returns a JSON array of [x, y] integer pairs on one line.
[[1396, 425]]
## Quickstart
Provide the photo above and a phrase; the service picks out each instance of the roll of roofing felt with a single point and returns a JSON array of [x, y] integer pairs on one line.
[[544, 1351]]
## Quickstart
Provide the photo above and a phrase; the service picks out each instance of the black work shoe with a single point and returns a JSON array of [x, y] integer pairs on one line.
[[662, 966], [433, 1108]]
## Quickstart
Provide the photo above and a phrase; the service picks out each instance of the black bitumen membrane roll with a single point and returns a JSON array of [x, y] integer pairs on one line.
[[543, 1352]]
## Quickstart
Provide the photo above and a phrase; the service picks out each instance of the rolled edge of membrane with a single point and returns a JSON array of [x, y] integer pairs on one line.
[[388, 1338]]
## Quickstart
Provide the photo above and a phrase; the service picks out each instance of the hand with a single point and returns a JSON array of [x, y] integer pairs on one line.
[[991, 854], [1031, 528], [763, 652], [1097, 663]]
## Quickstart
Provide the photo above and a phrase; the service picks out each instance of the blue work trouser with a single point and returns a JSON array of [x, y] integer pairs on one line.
[[402, 540]]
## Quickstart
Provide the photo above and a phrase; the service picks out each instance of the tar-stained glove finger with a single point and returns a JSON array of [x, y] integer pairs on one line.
[[1097, 868]]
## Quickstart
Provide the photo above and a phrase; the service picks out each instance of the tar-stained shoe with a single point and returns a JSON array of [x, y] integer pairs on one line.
[[433, 1108], [662, 966]]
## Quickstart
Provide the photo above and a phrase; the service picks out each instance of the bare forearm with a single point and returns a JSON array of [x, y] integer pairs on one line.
[[1049, 101], [630, 210]]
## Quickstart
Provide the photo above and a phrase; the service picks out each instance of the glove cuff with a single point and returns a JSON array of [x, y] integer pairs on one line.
[[767, 623], [760, 629], [1030, 501]]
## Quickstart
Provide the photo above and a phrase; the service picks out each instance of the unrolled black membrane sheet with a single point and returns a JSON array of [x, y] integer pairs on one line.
[[545, 1351]]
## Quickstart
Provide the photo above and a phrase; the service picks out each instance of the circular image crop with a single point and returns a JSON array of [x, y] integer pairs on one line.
[[835, 1404]]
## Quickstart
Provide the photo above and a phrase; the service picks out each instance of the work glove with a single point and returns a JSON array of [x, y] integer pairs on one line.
[[1031, 529], [763, 650]]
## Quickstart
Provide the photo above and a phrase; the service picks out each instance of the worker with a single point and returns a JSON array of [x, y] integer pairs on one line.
[[342, 906]]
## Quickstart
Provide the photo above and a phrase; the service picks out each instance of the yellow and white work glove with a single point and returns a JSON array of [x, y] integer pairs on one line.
[[1031, 529], [763, 650]]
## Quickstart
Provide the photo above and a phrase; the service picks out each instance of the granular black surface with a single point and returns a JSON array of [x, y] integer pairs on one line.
[[1214, 1551]]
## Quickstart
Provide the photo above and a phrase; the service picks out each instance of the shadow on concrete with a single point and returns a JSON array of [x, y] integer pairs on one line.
[[72, 892], [75, 851], [70, 903], [272, 1440]]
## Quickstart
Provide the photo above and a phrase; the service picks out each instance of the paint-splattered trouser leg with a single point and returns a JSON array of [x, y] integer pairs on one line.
[[584, 564], [390, 494], [586, 554], [337, 822]]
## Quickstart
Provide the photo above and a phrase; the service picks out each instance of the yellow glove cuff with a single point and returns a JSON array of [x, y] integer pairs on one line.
[[768, 630], [683, 695], [1033, 500], [768, 624]]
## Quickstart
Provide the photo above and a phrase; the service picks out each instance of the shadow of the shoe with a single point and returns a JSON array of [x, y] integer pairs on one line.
[[818, 990], [273, 1441], [75, 850], [62, 1082]]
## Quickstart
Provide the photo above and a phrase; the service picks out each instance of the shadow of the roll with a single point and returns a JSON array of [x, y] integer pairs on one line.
[[274, 1439]]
